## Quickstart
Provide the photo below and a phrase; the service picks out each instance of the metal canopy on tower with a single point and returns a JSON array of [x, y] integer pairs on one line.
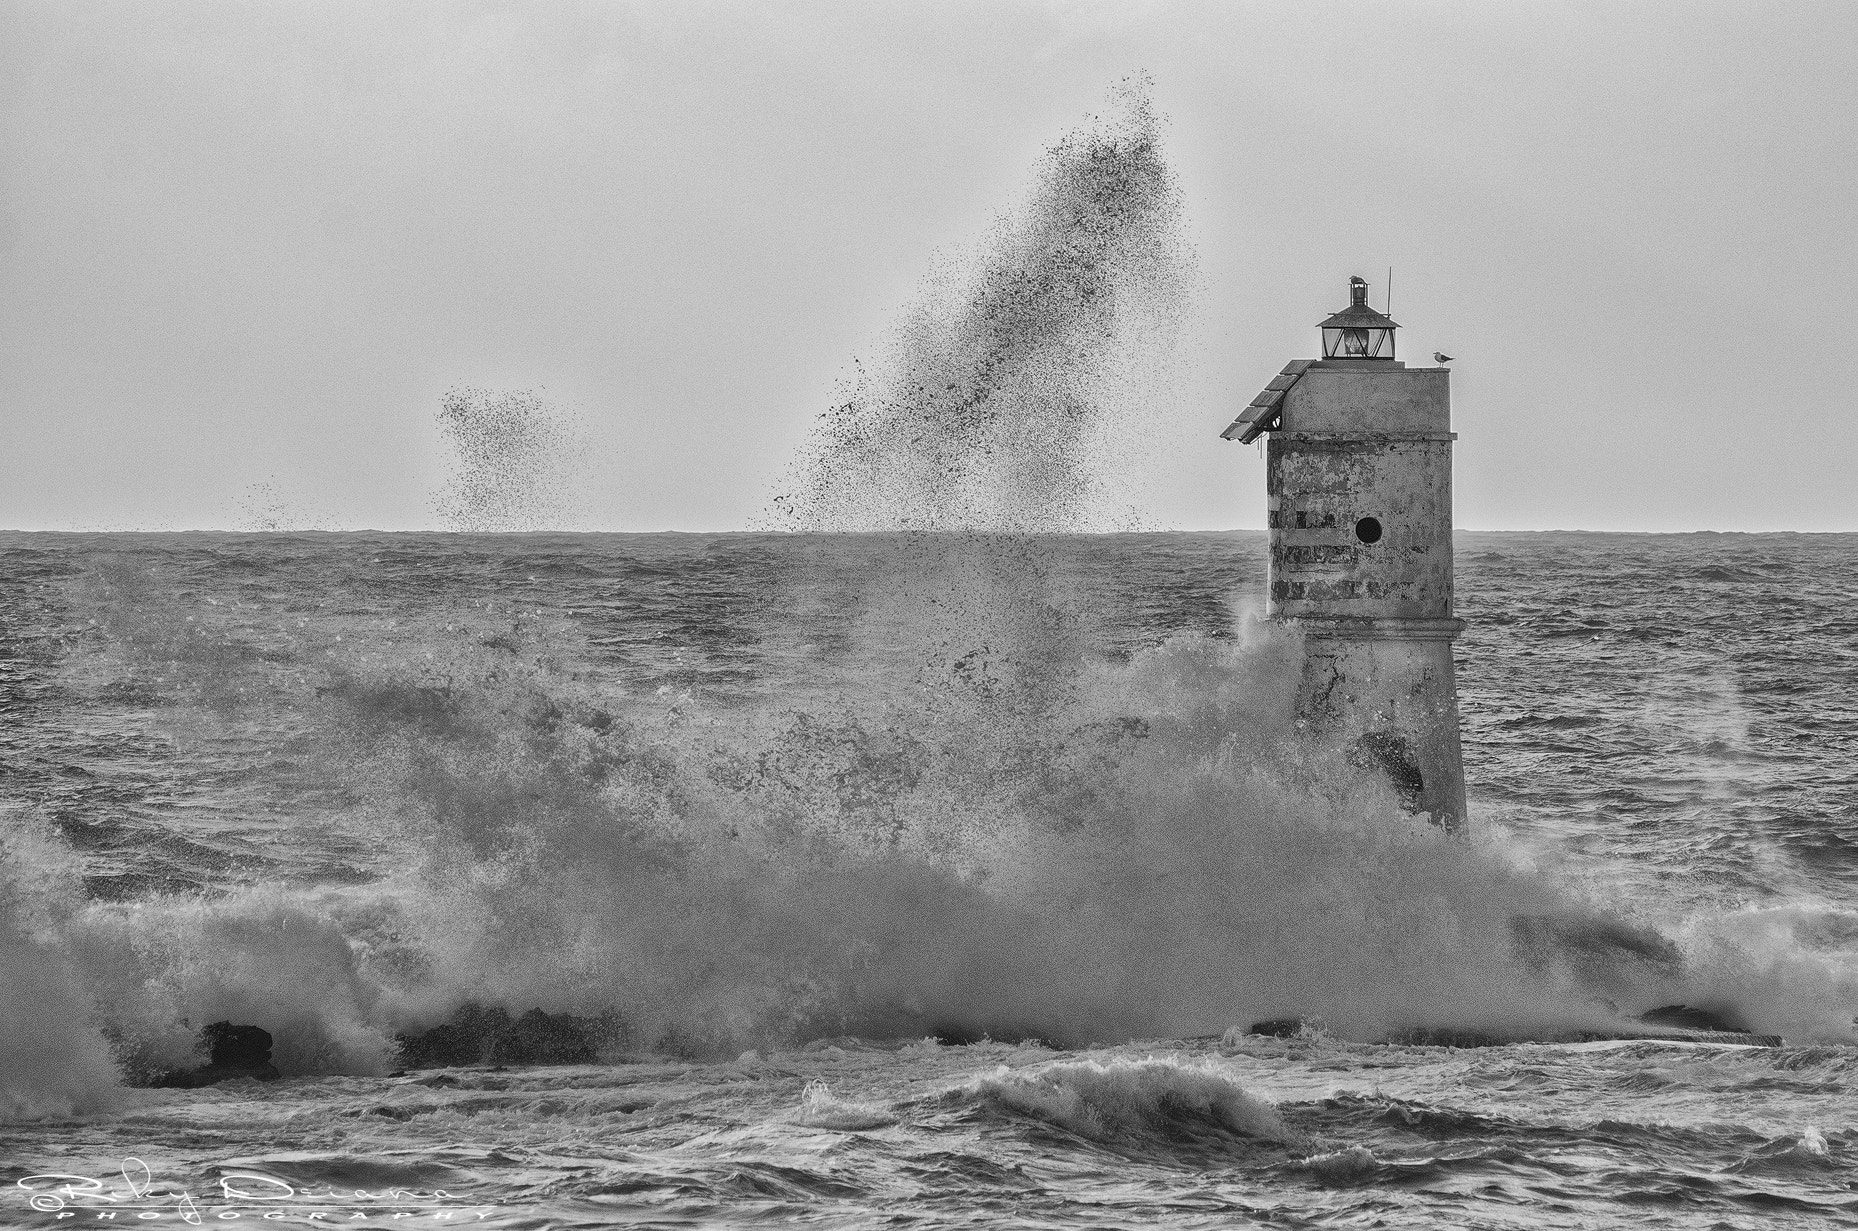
[[1262, 415]]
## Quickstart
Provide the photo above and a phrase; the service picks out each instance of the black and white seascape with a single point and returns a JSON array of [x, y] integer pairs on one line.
[[911, 824]]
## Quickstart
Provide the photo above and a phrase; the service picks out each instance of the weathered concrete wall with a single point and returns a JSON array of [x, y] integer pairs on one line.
[[1321, 488], [1393, 700], [1360, 514]]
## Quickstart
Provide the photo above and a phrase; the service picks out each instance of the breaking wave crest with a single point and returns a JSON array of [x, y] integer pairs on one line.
[[820, 1108], [1127, 1102]]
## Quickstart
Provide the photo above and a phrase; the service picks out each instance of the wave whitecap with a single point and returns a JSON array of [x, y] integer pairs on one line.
[[1130, 1101]]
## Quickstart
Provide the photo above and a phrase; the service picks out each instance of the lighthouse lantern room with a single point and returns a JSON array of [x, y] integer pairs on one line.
[[1358, 331]]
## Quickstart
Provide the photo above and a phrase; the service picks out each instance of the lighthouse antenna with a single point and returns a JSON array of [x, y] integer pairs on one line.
[[1390, 290]]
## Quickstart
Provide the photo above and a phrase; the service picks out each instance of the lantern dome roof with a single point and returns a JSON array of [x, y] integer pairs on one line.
[[1358, 315]]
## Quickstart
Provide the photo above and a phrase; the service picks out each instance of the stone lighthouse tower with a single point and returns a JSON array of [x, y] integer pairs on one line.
[[1359, 486]]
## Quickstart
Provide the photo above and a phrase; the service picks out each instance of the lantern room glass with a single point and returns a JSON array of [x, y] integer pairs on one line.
[[1358, 344]]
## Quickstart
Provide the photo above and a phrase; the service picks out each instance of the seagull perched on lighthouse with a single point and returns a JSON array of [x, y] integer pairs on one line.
[[1441, 356]]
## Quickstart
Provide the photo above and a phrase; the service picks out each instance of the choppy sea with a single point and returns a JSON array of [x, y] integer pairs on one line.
[[914, 881]]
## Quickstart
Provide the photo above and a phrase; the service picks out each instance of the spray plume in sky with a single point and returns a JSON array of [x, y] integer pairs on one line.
[[1011, 394], [515, 463]]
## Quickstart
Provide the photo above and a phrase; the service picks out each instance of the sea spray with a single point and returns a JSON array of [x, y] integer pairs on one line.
[[516, 462], [270, 505], [263, 955], [1017, 391], [1145, 851], [54, 1062]]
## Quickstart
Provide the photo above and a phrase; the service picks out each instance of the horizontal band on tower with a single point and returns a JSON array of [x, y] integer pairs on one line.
[[1364, 437], [1377, 628]]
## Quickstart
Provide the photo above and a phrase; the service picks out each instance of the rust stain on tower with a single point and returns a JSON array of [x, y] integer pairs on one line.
[[1359, 499]]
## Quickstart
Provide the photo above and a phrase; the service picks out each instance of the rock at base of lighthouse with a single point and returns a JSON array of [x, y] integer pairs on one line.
[[233, 1051]]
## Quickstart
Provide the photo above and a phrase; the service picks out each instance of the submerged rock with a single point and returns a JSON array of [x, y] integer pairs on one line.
[[232, 1051], [479, 1035], [1277, 1028], [1447, 1036], [1669, 1024], [1690, 1019]]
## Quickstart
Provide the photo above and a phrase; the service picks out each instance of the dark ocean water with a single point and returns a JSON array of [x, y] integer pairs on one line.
[[785, 807]]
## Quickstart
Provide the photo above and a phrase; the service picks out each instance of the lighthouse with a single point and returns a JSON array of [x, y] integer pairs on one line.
[[1359, 498]]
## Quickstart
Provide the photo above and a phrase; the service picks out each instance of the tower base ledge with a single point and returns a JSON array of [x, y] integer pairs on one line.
[[1377, 628]]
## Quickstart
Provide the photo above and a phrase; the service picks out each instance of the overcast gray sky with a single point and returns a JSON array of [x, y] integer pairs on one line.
[[246, 243]]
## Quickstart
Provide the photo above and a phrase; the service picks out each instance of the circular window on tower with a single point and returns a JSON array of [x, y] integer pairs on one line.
[[1368, 530]]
